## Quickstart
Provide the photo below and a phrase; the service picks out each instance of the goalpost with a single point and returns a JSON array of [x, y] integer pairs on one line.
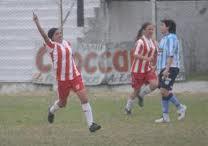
[[80, 14]]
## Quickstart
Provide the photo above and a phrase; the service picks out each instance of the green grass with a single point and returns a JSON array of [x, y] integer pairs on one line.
[[198, 77], [23, 122]]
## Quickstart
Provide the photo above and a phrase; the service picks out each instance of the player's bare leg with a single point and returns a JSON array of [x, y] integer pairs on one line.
[[146, 89]]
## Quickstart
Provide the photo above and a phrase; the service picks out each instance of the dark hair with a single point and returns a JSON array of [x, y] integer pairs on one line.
[[170, 24], [51, 32], [144, 26]]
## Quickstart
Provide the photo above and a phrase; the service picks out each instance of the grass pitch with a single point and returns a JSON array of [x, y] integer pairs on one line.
[[23, 122]]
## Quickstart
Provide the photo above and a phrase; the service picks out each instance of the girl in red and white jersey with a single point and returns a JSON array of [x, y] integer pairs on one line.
[[144, 78], [67, 75], [62, 58]]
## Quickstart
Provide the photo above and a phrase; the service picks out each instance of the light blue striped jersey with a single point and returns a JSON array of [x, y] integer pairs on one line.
[[168, 46]]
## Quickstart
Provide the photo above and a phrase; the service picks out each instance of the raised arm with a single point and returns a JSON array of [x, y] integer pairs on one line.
[[40, 29]]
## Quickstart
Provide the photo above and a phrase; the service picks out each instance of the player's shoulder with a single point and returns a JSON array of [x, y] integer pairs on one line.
[[172, 36], [140, 41], [66, 43]]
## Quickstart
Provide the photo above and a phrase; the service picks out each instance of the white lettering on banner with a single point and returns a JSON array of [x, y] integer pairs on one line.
[[91, 80], [119, 78]]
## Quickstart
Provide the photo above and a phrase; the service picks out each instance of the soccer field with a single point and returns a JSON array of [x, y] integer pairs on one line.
[[23, 122]]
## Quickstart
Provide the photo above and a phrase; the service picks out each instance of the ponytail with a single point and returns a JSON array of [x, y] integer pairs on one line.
[[140, 32]]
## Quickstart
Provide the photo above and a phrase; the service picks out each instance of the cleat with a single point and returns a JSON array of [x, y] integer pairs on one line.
[[94, 127], [182, 112], [128, 112], [165, 119], [50, 116], [162, 120]]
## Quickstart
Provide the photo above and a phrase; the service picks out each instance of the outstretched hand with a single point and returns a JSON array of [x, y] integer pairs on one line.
[[40, 29], [35, 17], [150, 59]]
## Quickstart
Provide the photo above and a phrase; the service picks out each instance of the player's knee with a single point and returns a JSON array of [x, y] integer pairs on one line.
[[164, 93], [62, 104], [83, 96], [153, 86], [134, 94], [83, 101]]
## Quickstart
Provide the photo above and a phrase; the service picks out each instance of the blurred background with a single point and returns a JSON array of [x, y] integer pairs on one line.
[[102, 34]]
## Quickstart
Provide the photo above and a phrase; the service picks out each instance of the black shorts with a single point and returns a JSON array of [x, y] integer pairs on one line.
[[167, 83]]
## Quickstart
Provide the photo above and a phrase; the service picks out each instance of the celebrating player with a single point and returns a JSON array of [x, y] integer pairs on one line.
[[67, 75]]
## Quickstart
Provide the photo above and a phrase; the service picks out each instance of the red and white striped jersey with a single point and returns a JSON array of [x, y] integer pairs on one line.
[[145, 47], [63, 62]]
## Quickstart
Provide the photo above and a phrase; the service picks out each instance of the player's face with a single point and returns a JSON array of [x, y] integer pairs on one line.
[[163, 28], [57, 37], [149, 30]]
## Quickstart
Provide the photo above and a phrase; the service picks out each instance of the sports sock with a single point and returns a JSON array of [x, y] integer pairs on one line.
[[88, 113], [175, 101], [54, 107], [144, 91], [129, 104], [165, 105], [166, 116]]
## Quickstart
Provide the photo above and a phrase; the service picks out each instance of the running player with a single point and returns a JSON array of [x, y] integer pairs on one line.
[[142, 70]]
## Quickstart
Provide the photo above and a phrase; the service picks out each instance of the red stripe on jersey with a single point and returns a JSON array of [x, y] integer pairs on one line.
[[63, 62], [135, 59], [142, 51], [144, 48], [133, 65], [67, 64], [59, 63], [139, 65], [144, 54]]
